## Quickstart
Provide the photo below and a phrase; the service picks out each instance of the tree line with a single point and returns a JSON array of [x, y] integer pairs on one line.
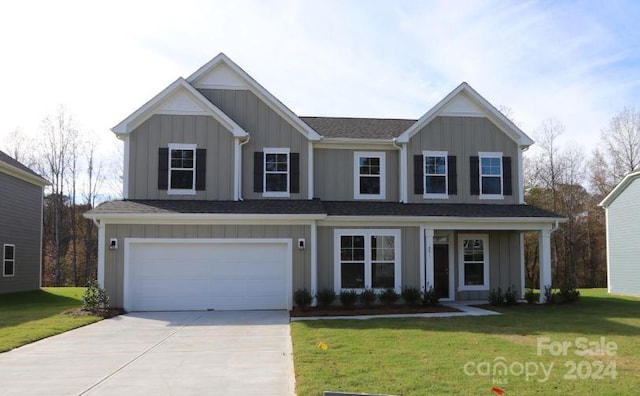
[[564, 180]]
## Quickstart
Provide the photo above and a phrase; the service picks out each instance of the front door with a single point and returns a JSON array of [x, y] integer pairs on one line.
[[441, 270]]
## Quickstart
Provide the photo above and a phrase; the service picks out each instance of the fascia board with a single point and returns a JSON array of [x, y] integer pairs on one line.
[[23, 175], [259, 91], [202, 218], [608, 200], [449, 223]]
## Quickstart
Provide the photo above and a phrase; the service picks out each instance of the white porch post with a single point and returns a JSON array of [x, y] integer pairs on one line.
[[314, 262], [428, 255], [544, 244]]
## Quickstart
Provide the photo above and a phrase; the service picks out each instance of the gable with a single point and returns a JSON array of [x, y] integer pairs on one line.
[[222, 73], [179, 98], [464, 101], [620, 189], [11, 167]]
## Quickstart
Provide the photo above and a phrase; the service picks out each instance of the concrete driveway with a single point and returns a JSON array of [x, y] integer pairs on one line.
[[159, 353]]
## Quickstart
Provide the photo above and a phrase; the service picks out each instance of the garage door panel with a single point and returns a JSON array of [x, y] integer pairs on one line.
[[198, 276]]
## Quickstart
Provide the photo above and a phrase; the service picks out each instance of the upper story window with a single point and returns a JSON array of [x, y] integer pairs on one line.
[[490, 175], [8, 260], [369, 175], [435, 174], [181, 169], [276, 172]]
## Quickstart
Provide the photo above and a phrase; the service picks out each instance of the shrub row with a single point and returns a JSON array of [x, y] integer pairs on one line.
[[368, 297], [565, 295]]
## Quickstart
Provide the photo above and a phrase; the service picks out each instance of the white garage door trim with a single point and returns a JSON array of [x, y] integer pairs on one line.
[[130, 242]]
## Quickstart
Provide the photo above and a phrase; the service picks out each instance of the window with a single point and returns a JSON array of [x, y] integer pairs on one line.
[[367, 259], [9, 260], [474, 262], [182, 169], [369, 175], [276, 172], [490, 175], [435, 174]]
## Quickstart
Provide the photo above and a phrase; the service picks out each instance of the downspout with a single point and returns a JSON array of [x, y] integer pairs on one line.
[[403, 176], [239, 175]]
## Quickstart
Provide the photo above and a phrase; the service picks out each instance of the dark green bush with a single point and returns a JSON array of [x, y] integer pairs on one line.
[[368, 297], [568, 294], [348, 297], [302, 298], [511, 296], [95, 298], [531, 296], [549, 295], [411, 295], [496, 297], [430, 296], [326, 297], [388, 297]]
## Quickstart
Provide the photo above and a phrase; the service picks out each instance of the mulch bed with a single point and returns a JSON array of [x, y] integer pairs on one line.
[[105, 313], [374, 310]]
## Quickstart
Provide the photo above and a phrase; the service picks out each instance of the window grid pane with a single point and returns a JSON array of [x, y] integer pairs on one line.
[[182, 169], [358, 271], [473, 262], [276, 172], [369, 175]]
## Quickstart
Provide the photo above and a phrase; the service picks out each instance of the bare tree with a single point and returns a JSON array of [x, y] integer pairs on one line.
[[18, 147], [95, 180], [546, 169], [622, 143]]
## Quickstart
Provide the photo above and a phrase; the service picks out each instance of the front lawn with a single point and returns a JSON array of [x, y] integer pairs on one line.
[[574, 344], [30, 316]]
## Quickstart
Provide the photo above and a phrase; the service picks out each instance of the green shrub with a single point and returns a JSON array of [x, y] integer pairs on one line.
[[326, 297], [348, 298], [430, 296], [302, 298], [368, 297], [568, 294], [388, 297], [549, 295], [496, 297], [531, 296], [411, 295], [95, 298], [511, 296]]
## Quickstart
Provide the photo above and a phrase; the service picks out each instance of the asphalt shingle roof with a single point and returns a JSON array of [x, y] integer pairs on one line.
[[358, 128], [7, 159], [315, 207]]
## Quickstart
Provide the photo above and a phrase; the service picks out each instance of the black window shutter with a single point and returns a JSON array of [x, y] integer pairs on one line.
[[201, 169], [507, 188], [418, 175], [294, 173], [474, 174], [452, 174], [258, 170], [163, 168]]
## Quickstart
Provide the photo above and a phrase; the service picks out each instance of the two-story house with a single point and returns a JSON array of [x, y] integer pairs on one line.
[[21, 203], [232, 201]]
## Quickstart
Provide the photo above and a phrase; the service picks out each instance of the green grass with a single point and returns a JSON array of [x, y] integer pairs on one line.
[[30, 316], [428, 356]]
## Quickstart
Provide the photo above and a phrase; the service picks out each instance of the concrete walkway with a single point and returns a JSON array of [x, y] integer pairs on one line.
[[465, 310], [159, 353]]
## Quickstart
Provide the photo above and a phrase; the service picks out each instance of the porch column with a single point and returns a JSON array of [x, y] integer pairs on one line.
[[428, 257], [314, 262], [544, 244]]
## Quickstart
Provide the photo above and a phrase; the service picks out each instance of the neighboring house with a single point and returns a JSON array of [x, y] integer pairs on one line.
[[21, 202], [622, 208], [232, 201]]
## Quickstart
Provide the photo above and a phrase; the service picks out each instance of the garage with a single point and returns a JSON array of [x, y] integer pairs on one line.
[[207, 274]]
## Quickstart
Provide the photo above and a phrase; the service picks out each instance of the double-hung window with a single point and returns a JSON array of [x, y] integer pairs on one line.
[[367, 259], [182, 169], [474, 262], [8, 260], [276, 172], [490, 175], [435, 174], [369, 175]]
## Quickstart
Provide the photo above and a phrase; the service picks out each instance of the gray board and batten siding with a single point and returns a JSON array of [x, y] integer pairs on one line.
[[20, 225], [114, 260], [462, 137], [623, 217], [267, 129], [161, 130], [334, 174]]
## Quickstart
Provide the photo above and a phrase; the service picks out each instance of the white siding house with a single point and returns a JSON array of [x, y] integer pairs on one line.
[[622, 208]]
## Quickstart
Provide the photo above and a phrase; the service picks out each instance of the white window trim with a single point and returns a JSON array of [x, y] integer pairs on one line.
[[481, 155], [276, 150], [444, 154], [367, 233], [356, 174], [4, 260], [182, 191], [485, 244]]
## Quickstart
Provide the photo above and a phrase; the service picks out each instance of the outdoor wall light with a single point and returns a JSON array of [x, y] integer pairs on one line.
[[301, 243]]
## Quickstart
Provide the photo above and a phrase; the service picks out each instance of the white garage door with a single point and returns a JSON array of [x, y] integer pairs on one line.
[[171, 275]]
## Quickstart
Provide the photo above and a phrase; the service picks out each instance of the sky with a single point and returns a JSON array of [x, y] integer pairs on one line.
[[575, 61]]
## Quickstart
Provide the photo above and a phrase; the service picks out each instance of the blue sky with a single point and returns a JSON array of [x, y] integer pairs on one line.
[[576, 61]]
